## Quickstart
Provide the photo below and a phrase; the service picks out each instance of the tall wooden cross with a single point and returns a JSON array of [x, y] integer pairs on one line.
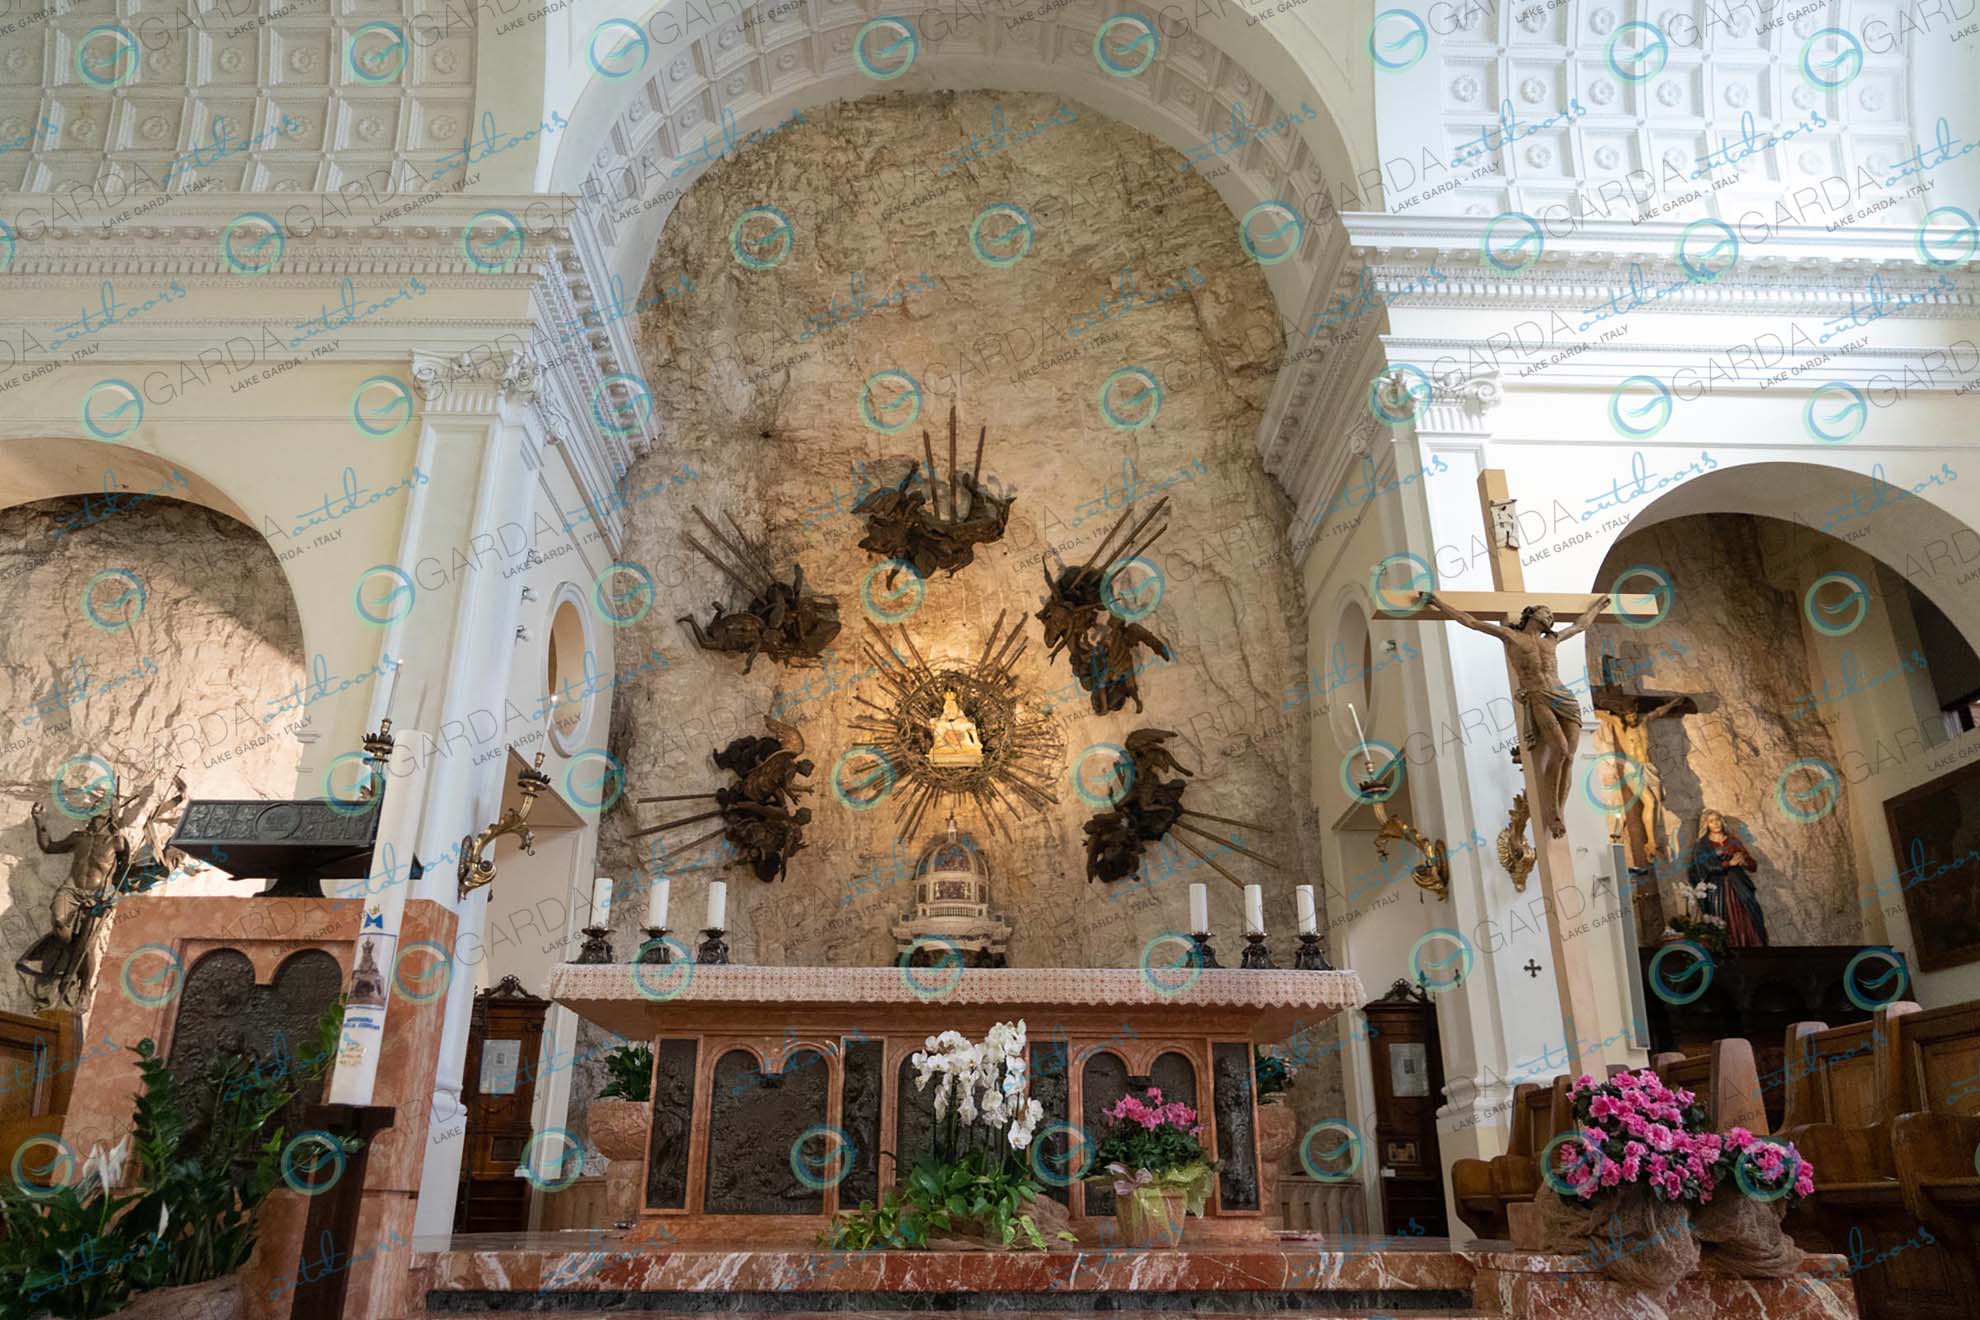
[[1572, 976]]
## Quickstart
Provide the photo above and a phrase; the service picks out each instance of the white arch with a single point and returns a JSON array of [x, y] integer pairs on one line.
[[1893, 536], [1209, 57]]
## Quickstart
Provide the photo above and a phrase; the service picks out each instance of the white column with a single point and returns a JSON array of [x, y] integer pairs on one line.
[[471, 417], [1501, 1018]]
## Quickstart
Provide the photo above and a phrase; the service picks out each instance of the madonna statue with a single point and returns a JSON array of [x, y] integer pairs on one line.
[[1720, 860]]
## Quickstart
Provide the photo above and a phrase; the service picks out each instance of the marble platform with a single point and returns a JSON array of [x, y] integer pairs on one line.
[[582, 1275]]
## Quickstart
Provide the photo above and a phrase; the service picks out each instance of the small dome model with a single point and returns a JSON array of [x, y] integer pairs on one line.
[[952, 906]]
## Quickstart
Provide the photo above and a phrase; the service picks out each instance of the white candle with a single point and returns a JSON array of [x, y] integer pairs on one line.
[[1254, 909], [393, 690], [1361, 736], [1199, 909], [601, 900], [1303, 897], [656, 903], [718, 905]]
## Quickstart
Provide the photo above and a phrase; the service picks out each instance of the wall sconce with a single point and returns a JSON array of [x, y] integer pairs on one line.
[[476, 870]]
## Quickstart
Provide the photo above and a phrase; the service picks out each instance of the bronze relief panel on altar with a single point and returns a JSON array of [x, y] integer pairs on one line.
[[1049, 1087], [859, 1115], [756, 1120], [1103, 1081], [914, 1120], [1237, 1151], [673, 1125]]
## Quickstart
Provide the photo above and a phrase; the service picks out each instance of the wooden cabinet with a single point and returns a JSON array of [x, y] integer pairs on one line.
[[499, 1094], [1409, 1086]]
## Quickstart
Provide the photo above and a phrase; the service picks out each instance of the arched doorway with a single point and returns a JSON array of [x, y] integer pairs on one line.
[[155, 654], [1817, 620]]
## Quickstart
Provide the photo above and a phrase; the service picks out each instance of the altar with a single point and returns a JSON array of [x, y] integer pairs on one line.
[[781, 1094]]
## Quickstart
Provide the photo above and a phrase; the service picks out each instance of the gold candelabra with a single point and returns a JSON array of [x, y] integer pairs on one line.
[[477, 870]]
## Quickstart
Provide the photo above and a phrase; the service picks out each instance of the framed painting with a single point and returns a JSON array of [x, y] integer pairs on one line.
[[1935, 834]]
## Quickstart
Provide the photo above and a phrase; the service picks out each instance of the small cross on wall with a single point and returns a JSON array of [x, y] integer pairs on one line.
[[1532, 968]]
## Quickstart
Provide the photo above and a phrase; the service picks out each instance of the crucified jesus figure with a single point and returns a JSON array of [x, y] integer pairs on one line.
[[1629, 733], [1553, 714]]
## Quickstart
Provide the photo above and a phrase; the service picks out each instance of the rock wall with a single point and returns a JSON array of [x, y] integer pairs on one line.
[[161, 638], [1734, 638], [757, 375]]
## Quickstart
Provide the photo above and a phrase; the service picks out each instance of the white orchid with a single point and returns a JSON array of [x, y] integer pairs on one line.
[[1025, 1125], [107, 1166]]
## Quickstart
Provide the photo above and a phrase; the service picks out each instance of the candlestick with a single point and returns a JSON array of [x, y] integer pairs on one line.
[[1256, 957], [1199, 908], [718, 905], [656, 902], [1310, 958], [655, 949], [1205, 955], [712, 951], [601, 902], [1254, 910], [1303, 899]]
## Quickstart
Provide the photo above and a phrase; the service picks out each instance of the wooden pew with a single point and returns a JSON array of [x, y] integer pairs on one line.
[[1935, 1136], [1724, 1078], [1483, 1189], [1471, 1179], [1841, 1075], [1852, 1088], [37, 1074]]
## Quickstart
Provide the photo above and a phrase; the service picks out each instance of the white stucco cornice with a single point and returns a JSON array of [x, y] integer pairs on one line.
[[544, 336], [1779, 271]]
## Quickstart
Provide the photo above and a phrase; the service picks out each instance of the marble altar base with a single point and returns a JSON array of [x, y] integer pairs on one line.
[[759, 1071], [579, 1274]]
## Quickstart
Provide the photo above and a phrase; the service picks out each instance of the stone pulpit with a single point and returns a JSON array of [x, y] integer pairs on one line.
[[951, 913], [758, 1071]]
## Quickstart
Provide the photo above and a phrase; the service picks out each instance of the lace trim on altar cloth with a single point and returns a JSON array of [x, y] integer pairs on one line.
[[1014, 985]]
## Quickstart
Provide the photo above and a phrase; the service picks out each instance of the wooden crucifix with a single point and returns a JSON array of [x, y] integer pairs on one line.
[[1626, 718], [1550, 722]]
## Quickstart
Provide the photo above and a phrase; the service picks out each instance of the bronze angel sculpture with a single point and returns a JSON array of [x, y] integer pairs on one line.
[[761, 823]]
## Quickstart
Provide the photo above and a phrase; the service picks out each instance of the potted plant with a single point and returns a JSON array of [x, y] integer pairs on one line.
[[205, 1164], [1620, 1186], [975, 1187], [1274, 1076], [1706, 931], [1151, 1153], [1278, 1125], [1740, 1224], [617, 1122]]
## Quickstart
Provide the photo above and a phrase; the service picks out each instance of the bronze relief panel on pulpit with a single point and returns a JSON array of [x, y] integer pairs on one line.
[[222, 1012]]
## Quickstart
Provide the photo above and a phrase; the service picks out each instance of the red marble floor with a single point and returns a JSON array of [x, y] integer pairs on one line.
[[1337, 1278]]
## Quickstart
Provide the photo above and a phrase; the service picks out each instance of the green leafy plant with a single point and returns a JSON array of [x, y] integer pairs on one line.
[[977, 1179], [73, 1251], [1274, 1074], [207, 1159], [974, 1195], [631, 1069], [1708, 932]]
